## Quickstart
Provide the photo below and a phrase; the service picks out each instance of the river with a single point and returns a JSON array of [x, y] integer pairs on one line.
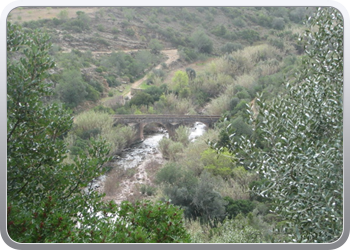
[[137, 156]]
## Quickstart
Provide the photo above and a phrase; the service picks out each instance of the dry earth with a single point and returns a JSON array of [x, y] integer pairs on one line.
[[24, 15], [172, 55], [129, 188]]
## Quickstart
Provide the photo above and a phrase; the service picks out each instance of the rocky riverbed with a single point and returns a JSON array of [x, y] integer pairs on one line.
[[134, 165]]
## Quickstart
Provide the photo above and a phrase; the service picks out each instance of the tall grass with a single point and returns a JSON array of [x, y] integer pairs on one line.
[[92, 124], [219, 105], [243, 61]]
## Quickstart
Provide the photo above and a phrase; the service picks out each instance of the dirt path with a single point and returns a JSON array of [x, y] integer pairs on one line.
[[172, 55], [197, 66]]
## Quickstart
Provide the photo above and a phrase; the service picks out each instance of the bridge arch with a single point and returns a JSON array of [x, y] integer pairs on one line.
[[169, 122]]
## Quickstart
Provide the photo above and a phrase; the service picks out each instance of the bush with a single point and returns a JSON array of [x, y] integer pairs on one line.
[[182, 134], [250, 35], [278, 23], [169, 174], [155, 92], [216, 164], [72, 89], [129, 32], [201, 42], [243, 94], [219, 30], [159, 222], [147, 190], [239, 22], [207, 202], [141, 98], [230, 47], [235, 207], [189, 54], [100, 27]]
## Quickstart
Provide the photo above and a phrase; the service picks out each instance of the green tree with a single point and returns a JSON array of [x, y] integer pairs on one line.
[[221, 164], [72, 89], [155, 46], [152, 223], [201, 42], [207, 201], [155, 92], [129, 14], [235, 207], [180, 81], [303, 132], [43, 193], [191, 73], [141, 98], [48, 199]]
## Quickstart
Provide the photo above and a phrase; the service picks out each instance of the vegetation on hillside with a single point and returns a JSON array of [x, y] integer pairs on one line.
[[269, 171]]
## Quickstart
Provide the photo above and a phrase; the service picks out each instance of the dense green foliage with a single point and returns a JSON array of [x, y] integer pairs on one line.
[[196, 195], [150, 223], [302, 133], [42, 197]]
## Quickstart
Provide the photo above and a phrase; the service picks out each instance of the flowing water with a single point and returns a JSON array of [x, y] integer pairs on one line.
[[139, 154]]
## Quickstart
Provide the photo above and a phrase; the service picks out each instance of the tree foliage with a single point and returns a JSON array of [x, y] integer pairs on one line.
[[198, 196], [180, 82], [201, 42], [155, 46], [302, 131], [150, 222], [44, 194]]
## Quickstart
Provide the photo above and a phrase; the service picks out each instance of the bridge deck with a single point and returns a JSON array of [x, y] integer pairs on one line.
[[166, 116], [170, 122]]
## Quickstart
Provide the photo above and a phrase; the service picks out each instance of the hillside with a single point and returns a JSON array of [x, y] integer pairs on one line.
[[84, 39], [133, 28]]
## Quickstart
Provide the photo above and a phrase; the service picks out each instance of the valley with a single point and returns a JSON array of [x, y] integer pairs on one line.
[[234, 182]]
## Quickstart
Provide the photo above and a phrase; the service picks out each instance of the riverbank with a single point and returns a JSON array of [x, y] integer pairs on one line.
[[135, 170]]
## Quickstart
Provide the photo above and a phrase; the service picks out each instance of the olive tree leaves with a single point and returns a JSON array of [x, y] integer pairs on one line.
[[302, 132]]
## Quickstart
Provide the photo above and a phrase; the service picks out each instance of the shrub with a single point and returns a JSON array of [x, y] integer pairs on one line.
[[100, 27], [201, 42], [230, 47], [278, 23], [239, 22], [141, 98], [235, 207], [221, 165], [147, 190], [219, 30], [243, 94], [159, 222], [182, 134], [250, 35], [115, 31], [129, 32], [72, 89]]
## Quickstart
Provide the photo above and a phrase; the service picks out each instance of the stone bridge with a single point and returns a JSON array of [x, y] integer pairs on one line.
[[169, 122]]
